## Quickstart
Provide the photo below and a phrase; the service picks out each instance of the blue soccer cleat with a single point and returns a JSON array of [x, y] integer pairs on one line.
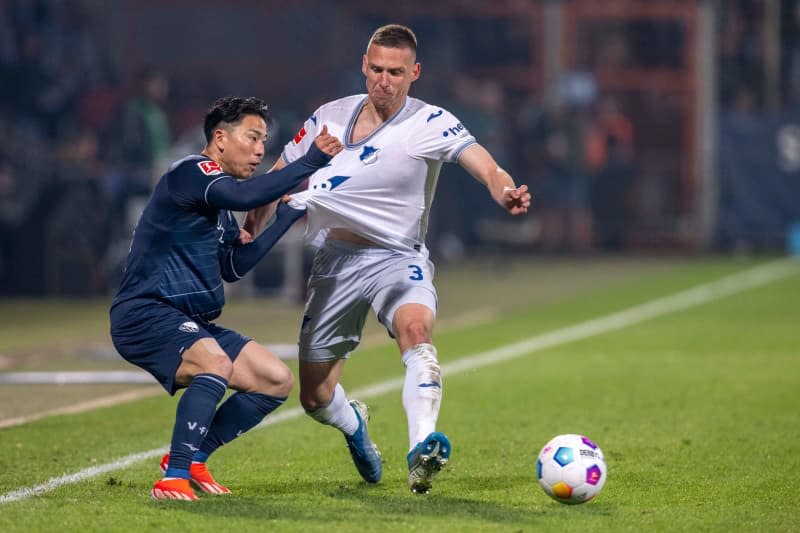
[[425, 460], [365, 454]]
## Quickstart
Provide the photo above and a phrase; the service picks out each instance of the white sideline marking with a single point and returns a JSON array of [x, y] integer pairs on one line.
[[97, 403], [77, 377], [735, 283], [95, 377]]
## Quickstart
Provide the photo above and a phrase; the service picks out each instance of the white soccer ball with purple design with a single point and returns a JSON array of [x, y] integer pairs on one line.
[[571, 469]]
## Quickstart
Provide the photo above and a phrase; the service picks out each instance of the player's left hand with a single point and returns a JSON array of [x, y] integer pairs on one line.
[[516, 201], [245, 237]]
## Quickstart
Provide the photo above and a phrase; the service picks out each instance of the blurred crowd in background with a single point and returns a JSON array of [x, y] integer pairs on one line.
[[90, 119]]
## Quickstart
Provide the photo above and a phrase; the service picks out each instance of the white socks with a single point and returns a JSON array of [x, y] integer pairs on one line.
[[422, 397], [338, 413], [422, 391]]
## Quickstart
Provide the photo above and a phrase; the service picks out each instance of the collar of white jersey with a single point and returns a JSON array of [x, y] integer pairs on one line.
[[354, 116]]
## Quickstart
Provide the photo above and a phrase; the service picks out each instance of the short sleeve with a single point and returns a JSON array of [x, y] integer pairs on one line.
[[299, 145], [440, 136]]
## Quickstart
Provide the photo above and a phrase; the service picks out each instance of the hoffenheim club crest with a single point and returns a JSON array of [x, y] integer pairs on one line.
[[369, 155]]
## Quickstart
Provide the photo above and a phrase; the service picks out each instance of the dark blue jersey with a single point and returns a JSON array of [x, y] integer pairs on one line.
[[178, 241], [185, 243]]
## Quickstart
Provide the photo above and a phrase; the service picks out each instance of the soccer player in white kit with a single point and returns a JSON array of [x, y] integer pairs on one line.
[[371, 208]]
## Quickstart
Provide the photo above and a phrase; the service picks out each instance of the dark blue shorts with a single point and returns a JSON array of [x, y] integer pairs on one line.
[[153, 335]]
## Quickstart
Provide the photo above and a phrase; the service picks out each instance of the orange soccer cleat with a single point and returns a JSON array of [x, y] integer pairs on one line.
[[172, 489], [200, 476]]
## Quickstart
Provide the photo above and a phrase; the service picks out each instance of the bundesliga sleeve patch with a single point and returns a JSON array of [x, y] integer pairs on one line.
[[300, 135], [210, 168]]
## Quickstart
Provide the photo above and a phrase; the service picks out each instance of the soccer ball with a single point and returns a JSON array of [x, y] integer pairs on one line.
[[571, 469]]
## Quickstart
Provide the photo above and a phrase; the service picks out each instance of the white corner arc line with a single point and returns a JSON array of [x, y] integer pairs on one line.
[[729, 285]]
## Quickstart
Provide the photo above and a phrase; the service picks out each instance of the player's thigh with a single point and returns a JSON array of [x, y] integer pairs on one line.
[[335, 312], [155, 337], [205, 356], [256, 369], [404, 283], [215, 355]]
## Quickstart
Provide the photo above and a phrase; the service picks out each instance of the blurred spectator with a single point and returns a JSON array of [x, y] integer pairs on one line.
[[456, 220], [58, 81], [790, 52], [739, 45], [613, 51], [98, 105], [8, 38], [27, 83], [73, 258], [610, 159], [9, 221], [145, 130], [24, 172], [609, 122], [138, 159], [564, 192]]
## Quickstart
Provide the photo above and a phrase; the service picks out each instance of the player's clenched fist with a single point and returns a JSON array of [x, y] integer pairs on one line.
[[327, 142]]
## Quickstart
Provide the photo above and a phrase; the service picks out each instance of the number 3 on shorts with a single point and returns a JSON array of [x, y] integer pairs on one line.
[[417, 273]]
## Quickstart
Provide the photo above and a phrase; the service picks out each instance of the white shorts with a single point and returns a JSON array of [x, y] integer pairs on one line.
[[346, 280]]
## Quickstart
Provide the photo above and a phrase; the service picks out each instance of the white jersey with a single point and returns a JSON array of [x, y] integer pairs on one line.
[[382, 186]]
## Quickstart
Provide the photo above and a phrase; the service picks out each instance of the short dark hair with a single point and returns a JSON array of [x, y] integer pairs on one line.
[[231, 109], [394, 36]]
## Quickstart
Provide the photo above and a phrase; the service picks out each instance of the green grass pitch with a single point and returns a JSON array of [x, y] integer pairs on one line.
[[697, 412]]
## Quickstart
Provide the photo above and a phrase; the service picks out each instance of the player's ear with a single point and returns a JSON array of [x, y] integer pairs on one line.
[[219, 139], [364, 64], [416, 71]]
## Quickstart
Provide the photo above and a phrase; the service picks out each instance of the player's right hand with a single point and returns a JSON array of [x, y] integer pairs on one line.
[[245, 237], [328, 143]]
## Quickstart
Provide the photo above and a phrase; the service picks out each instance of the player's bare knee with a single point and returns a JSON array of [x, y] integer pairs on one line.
[[220, 365], [416, 332], [280, 381], [312, 401]]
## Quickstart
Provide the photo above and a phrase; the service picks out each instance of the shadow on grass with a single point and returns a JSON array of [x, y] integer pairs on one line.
[[343, 504]]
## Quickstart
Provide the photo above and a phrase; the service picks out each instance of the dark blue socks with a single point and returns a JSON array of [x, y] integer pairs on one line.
[[193, 418], [240, 413]]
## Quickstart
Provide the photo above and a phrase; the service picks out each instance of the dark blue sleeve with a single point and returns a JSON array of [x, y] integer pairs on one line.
[[239, 259], [188, 181], [242, 195]]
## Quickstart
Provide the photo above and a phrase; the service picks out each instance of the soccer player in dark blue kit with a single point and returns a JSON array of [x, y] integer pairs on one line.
[[184, 245]]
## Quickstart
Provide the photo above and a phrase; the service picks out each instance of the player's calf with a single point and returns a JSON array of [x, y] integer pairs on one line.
[[422, 391]]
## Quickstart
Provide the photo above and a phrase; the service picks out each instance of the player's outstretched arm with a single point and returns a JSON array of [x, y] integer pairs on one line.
[[237, 260], [257, 218], [243, 195], [481, 165]]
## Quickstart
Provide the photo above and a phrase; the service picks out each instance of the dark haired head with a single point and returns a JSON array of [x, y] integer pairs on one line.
[[230, 110], [394, 36]]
